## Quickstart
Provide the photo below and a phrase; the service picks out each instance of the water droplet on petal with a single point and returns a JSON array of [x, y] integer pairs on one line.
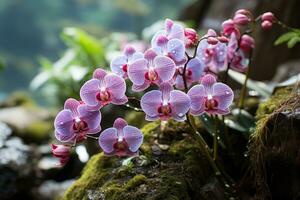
[[180, 114]]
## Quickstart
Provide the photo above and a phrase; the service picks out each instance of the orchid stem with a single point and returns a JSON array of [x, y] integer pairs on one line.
[[92, 137], [244, 88], [215, 152]]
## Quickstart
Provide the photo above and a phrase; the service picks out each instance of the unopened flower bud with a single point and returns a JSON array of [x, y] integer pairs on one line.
[[212, 40], [244, 12], [266, 25], [223, 39], [268, 16], [241, 19], [62, 152], [191, 37], [247, 43]]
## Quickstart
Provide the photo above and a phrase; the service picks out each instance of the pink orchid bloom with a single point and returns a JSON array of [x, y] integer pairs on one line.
[[120, 64], [165, 103], [152, 69], [103, 89], [75, 121], [210, 96], [193, 73], [121, 140], [170, 42], [62, 152], [236, 55]]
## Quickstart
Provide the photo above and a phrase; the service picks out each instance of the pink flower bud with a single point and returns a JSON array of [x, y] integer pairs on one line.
[[268, 16], [212, 40], [244, 12], [247, 43], [229, 28], [191, 37], [129, 50], [241, 19], [62, 152], [211, 32], [266, 25], [223, 39]]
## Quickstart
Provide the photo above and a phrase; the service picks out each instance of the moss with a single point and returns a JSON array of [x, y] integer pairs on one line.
[[175, 174], [270, 142], [37, 131], [136, 119], [135, 181]]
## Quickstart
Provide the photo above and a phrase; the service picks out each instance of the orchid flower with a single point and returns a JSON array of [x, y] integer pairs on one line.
[[75, 121], [213, 55], [119, 65], [210, 96], [165, 103], [62, 152], [152, 69], [193, 73], [121, 140], [236, 55], [103, 89], [170, 42]]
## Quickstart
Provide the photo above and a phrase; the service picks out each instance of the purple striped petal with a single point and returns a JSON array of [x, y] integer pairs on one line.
[[63, 124], [150, 54], [115, 85], [134, 57], [165, 89], [176, 50], [99, 74], [119, 101], [165, 68], [72, 105], [207, 81], [179, 82], [107, 139], [223, 94], [197, 67], [92, 118], [197, 95], [88, 92], [150, 102], [140, 88], [134, 137], [137, 70], [120, 123], [177, 31], [180, 104], [116, 65], [95, 130]]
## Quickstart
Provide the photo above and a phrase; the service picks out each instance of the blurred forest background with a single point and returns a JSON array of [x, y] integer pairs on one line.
[[30, 30]]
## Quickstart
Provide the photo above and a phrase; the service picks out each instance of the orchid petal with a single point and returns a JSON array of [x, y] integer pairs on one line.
[[165, 67], [119, 124], [72, 104], [197, 95], [150, 102], [88, 92], [63, 124], [99, 74], [117, 64], [107, 140], [223, 94], [137, 70], [92, 118], [115, 85], [134, 137], [180, 103], [140, 88], [176, 49]]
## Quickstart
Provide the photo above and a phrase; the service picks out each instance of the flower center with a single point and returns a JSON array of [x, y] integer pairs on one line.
[[164, 110], [209, 52], [151, 75], [103, 96], [80, 126], [211, 104], [120, 146], [124, 68]]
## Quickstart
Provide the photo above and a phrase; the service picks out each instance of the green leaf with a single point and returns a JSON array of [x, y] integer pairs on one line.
[[293, 41], [262, 88], [285, 37]]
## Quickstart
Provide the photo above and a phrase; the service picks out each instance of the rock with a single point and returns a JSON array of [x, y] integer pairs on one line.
[[274, 150], [17, 171], [50, 189], [33, 124], [178, 172]]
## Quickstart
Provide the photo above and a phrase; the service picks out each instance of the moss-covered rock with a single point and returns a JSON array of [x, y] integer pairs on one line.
[[274, 149], [170, 167]]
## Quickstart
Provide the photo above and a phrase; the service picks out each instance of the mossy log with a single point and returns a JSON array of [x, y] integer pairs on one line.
[[274, 149], [170, 167]]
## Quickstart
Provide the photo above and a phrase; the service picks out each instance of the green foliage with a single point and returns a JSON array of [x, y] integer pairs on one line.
[[65, 76], [290, 38]]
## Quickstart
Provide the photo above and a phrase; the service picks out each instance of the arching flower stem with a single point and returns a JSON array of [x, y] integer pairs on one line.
[[216, 123]]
